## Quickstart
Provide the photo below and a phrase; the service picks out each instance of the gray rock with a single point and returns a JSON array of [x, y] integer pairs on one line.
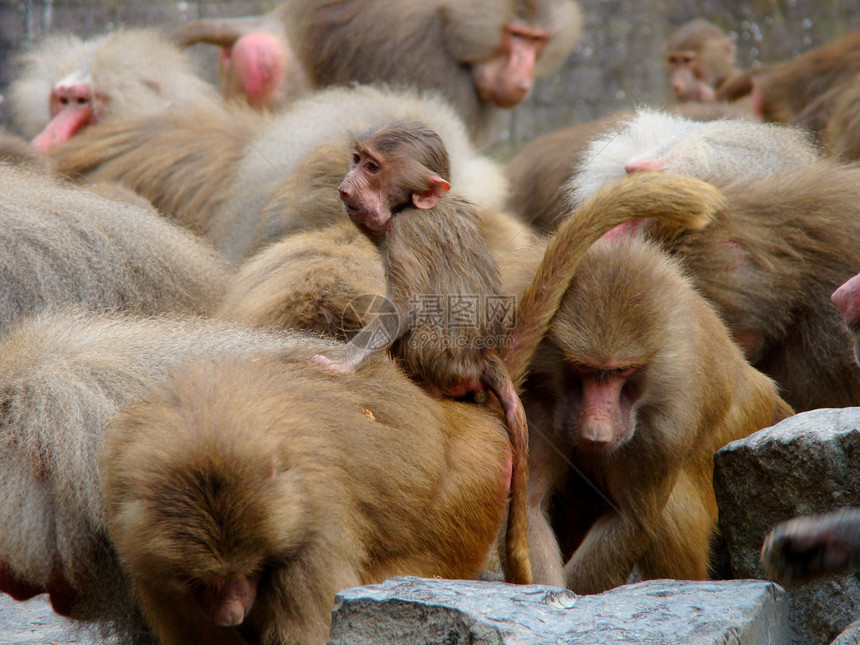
[[415, 610], [850, 636], [33, 621], [805, 465]]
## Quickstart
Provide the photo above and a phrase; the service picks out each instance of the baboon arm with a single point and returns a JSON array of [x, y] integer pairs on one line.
[[607, 555], [546, 556]]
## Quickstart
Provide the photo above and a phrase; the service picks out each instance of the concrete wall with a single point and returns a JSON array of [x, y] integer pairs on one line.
[[617, 64]]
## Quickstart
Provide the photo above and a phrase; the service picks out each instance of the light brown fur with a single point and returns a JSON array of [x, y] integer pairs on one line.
[[307, 199], [181, 160], [322, 484], [769, 264], [320, 281], [647, 498]]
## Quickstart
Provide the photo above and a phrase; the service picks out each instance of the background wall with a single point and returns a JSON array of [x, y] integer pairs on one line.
[[616, 65]]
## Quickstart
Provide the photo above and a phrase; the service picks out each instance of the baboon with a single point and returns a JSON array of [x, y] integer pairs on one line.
[[256, 63], [770, 264], [63, 375], [805, 90], [477, 54], [699, 58], [806, 548], [229, 197], [539, 173], [63, 245], [66, 83], [634, 388], [396, 193], [712, 150], [771, 261], [328, 281], [240, 523]]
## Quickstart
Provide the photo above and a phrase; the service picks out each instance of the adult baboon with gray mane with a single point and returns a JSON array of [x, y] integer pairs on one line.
[[64, 245], [66, 83]]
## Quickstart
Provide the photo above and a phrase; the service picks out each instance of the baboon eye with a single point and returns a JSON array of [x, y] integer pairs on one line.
[[371, 166], [356, 158]]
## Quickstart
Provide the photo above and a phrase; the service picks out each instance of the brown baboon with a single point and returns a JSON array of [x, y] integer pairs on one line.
[[635, 387], [770, 263], [63, 376], [328, 281], [396, 193], [66, 83], [478, 54], [63, 245], [256, 63], [699, 58], [239, 522], [805, 90], [167, 158]]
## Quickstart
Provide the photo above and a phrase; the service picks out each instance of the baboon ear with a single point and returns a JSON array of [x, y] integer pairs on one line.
[[437, 187]]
